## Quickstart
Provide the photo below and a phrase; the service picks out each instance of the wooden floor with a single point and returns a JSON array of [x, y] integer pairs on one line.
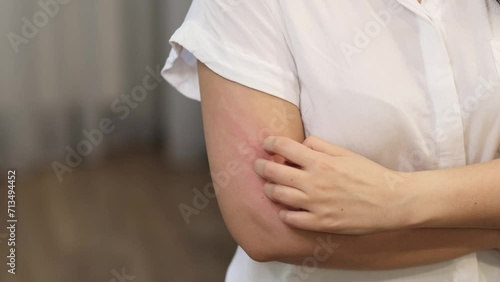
[[122, 215]]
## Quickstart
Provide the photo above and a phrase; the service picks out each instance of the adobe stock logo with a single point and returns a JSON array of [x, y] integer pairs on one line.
[[373, 28], [121, 277], [40, 19]]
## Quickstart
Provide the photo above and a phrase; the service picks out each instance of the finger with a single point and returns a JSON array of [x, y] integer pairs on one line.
[[286, 195], [319, 145], [289, 149], [299, 219], [280, 174]]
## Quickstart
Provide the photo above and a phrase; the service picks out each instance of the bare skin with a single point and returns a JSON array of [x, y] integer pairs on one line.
[[237, 120], [338, 191]]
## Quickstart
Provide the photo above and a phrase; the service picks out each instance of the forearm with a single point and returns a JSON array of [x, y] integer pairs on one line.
[[261, 233], [390, 250], [259, 230], [465, 197], [265, 237]]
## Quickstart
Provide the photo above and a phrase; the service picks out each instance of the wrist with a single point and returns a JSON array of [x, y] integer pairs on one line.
[[421, 207]]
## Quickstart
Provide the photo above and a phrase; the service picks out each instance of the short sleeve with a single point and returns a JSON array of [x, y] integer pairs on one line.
[[242, 41]]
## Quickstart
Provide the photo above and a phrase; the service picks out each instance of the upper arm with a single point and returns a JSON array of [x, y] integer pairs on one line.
[[236, 120]]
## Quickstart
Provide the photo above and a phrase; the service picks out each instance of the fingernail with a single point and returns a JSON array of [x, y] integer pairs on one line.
[[269, 140], [259, 166]]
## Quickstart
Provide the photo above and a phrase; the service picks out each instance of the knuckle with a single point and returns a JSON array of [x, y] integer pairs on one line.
[[329, 223], [322, 187], [323, 165], [309, 159], [321, 184], [310, 140], [306, 142]]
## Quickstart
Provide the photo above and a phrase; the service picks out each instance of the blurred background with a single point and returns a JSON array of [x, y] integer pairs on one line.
[[109, 157]]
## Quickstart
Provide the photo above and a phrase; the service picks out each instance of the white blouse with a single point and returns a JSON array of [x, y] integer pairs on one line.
[[411, 86]]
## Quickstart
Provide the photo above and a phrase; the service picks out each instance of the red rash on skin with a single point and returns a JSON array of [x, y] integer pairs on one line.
[[253, 142]]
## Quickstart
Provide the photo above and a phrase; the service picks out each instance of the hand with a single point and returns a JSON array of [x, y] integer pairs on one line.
[[331, 189]]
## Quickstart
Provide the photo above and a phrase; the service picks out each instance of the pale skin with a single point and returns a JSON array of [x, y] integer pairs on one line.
[[237, 120], [338, 191]]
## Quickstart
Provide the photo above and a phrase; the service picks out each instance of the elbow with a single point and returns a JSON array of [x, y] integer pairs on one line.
[[259, 251], [295, 248], [258, 242], [259, 255]]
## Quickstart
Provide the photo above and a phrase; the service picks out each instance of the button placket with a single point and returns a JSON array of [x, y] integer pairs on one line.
[[432, 8], [416, 8], [495, 48], [444, 96]]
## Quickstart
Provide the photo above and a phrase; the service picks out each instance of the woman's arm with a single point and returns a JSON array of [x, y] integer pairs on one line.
[[399, 249], [236, 120], [339, 191], [464, 197]]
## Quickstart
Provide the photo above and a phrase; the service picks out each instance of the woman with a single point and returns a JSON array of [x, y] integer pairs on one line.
[[350, 140]]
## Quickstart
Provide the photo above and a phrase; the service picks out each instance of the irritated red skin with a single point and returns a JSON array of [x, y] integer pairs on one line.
[[255, 138]]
